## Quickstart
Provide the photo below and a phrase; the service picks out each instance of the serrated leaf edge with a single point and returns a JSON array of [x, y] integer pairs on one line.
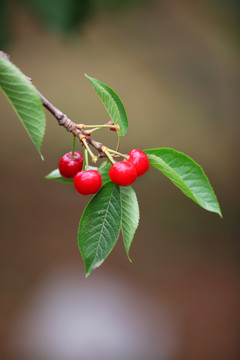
[[91, 268]]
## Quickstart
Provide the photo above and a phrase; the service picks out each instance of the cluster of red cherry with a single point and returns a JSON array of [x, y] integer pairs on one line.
[[87, 182]]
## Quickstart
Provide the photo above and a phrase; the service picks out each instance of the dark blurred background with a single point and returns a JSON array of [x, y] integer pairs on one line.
[[175, 65]]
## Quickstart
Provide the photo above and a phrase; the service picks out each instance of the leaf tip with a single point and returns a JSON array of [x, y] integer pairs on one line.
[[220, 213], [127, 253], [87, 273], [90, 268]]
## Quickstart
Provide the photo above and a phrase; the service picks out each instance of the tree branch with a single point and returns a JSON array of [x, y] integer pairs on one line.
[[68, 124]]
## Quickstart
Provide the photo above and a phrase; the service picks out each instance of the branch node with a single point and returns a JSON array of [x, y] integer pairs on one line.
[[81, 137], [104, 149]]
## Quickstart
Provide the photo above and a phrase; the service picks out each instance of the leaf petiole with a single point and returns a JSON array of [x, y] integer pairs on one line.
[[118, 143]]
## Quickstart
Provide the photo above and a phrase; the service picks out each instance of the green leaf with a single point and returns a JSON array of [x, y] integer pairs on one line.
[[24, 99], [187, 175], [130, 215], [112, 103], [105, 173], [100, 226], [55, 175]]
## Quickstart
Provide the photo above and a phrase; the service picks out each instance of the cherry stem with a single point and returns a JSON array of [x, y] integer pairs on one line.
[[92, 131], [94, 158], [86, 159], [97, 127], [118, 153], [73, 146], [109, 156]]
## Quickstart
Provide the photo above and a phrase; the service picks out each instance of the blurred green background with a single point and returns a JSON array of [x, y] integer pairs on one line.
[[175, 65]]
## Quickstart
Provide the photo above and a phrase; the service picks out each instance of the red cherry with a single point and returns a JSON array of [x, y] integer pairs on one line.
[[87, 182], [123, 173], [140, 160], [68, 166]]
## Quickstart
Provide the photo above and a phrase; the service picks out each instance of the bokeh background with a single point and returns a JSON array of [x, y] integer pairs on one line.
[[175, 65]]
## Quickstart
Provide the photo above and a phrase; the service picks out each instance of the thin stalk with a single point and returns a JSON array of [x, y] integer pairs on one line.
[[73, 146], [92, 131], [118, 143], [118, 153], [109, 156], [82, 126], [94, 158], [86, 159]]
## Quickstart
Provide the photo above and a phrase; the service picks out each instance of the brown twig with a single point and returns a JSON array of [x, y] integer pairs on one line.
[[68, 124]]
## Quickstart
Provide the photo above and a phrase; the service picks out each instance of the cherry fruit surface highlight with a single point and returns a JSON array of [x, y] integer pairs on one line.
[[68, 166], [123, 173], [140, 160], [87, 182]]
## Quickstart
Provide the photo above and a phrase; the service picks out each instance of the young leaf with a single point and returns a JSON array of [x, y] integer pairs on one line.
[[112, 103], [55, 175], [24, 99], [187, 175], [100, 226], [130, 215]]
